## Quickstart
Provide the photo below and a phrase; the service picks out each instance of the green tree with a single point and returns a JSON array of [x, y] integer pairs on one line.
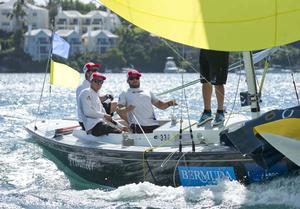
[[18, 14], [113, 59], [52, 8]]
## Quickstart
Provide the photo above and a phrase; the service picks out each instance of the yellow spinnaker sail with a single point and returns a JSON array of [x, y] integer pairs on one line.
[[229, 25], [63, 75]]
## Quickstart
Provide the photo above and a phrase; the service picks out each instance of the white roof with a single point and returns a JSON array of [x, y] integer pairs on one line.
[[72, 13], [95, 13], [65, 33], [10, 5], [36, 31], [95, 33]]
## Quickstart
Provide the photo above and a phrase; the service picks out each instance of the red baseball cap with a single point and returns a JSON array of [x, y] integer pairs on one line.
[[89, 66], [97, 76], [133, 73]]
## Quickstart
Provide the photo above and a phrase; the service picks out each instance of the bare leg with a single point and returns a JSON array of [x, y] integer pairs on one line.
[[206, 93], [220, 91]]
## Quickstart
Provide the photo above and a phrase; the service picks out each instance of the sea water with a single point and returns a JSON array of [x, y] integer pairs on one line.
[[29, 179]]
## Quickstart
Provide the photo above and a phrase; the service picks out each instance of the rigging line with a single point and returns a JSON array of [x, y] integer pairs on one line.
[[176, 165], [201, 76], [188, 114], [177, 53], [171, 139], [234, 101], [266, 68], [44, 81], [141, 129], [257, 57], [295, 87], [181, 116], [149, 168]]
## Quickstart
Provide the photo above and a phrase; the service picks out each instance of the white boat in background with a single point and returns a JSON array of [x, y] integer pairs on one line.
[[171, 67]]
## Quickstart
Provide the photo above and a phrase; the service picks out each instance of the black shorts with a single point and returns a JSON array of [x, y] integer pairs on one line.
[[213, 66], [102, 129], [82, 125], [147, 129], [107, 107]]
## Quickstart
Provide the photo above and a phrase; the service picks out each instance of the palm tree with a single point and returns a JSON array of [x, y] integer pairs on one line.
[[18, 15]]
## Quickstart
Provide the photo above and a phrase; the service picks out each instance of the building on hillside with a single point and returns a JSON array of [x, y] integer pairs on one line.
[[96, 20], [68, 20], [100, 20], [74, 39], [99, 41], [35, 16], [37, 43]]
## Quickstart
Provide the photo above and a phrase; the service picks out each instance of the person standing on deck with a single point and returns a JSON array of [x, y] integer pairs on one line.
[[93, 115], [88, 69], [213, 70], [136, 105]]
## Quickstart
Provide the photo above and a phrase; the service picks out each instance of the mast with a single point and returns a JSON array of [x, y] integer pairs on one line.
[[251, 83]]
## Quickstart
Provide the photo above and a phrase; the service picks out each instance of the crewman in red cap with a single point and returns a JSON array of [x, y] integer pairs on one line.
[[106, 100], [135, 105], [93, 115]]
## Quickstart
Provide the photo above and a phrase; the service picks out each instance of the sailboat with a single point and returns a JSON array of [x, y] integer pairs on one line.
[[171, 155]]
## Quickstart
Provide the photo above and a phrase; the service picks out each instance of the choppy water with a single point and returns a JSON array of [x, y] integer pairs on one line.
[[29, 180]]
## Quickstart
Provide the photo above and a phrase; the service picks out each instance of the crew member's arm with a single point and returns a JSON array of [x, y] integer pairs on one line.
[[88, 109], [123, 111], [164, 105], [160, 104]]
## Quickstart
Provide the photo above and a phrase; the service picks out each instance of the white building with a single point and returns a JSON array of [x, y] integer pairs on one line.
[[96, 20], [99, 41], [37, 42], [68, 20], [36, 16], [73, 38]]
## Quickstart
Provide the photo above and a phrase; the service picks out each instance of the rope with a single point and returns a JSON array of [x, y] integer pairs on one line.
[[141, 129], [295, 87], [149, 168], [188, 114], [266, 67], [44, 81]]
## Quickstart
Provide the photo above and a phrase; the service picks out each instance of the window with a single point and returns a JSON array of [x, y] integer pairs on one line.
[[61, 21], [102, 49], [102, 41], [87, 21], [74, 22], [97, 21], [5, 24], [43, 40], [44, 49], [34, 14], [75, 41]]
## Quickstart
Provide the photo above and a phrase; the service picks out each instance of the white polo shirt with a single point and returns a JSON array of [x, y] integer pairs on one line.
[[85, 84], [91, 108], [143, 101]]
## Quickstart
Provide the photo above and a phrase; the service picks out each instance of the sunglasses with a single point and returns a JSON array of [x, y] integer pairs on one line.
[[133, 78], [98, 81]]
